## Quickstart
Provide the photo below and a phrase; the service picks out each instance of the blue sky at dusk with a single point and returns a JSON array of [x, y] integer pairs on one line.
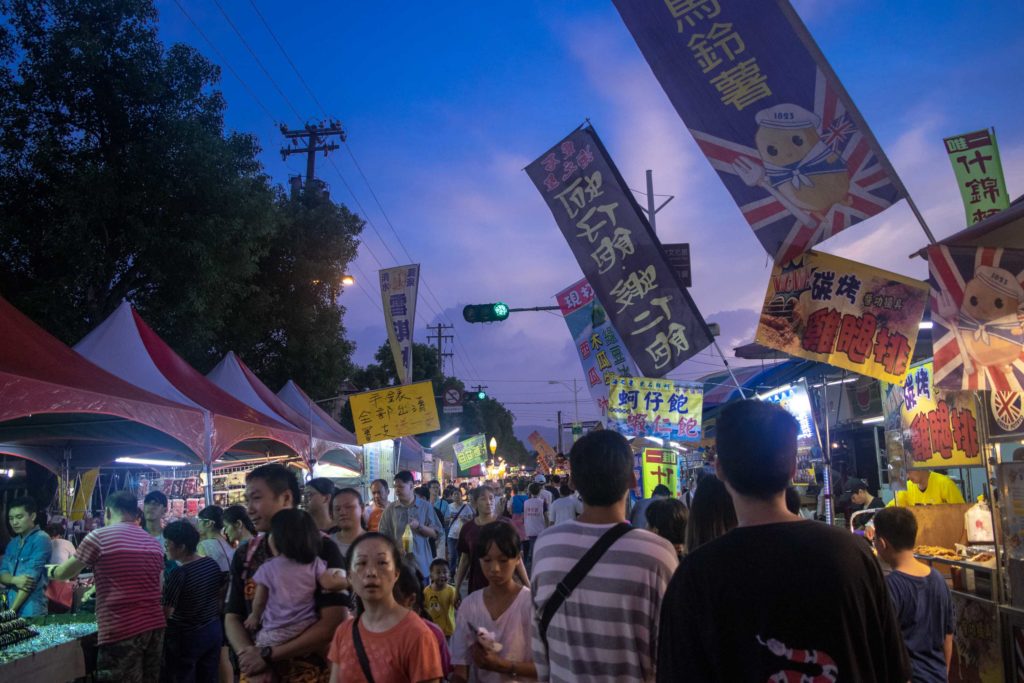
[[445, 103]]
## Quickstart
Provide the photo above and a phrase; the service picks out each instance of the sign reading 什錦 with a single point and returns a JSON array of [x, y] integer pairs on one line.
[[394, 412], [661, 408], [979, 173], [661, 467], [619, 253], [750, 84], [828, 309]]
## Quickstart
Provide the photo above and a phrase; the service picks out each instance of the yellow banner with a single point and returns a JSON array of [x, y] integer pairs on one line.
[[660, 467], [662, 408], [394, 412], [937, 428], [831, 310], [83, 495], [543, 448]]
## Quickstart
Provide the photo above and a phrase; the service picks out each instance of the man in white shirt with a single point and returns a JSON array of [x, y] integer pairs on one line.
[[567, 508]]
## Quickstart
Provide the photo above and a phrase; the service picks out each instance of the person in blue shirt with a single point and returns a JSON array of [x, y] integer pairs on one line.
[[22, 570]]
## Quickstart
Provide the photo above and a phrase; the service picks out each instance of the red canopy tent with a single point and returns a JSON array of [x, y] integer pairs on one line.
[[126, 346], [56, 405]]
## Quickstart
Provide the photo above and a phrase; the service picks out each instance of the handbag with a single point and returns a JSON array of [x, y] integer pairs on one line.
[[60, 594], [364, 661]]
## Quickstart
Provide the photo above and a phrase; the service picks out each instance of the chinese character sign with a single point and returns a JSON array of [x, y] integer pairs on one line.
[[398, 289], [394, 412], [619, 254], [602, 352], [843, 313], [771, 120], [545, 453], [978, 317], [937, 428], [642, 406], [470, 452], [660, 468], [795, 400], [979, 173]]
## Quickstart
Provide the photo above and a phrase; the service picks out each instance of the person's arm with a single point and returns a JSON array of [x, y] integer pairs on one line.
[[430, 525], [947, 649], [490, 661], [521, 574], [259, 604], [66, 570], [460, 575], [249, 659], [387, 525], [334, 673]]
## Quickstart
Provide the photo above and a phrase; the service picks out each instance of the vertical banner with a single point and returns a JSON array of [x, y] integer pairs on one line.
[[661, 408], [979, 173], [398, 289], [545, 453], [619, 253], [766, 110], [935, 428], [660, 468], [831, 310], [601, 350], [978, 317]]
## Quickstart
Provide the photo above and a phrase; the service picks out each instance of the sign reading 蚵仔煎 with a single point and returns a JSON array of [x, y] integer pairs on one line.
[[661, 408]]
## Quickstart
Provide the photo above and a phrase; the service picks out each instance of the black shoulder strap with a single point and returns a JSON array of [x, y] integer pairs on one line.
[[568, 584], [364, 661]]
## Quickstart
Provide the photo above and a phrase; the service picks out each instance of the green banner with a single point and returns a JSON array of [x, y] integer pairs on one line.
[[470, 452], [979, 173]]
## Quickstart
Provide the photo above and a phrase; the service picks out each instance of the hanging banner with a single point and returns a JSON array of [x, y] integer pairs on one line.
[[795, 400], [544, 450], [660, 468], [470, 452], [394, 412], [642, 406], [935, 428], [601, 350], [398, 290], [831, 310], [977, 313], [619, 254], [979, 173], [750, 84]]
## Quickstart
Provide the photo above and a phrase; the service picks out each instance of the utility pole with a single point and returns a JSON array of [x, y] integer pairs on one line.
[[441, 338], [560, 432], [651, 210], [315, 136]]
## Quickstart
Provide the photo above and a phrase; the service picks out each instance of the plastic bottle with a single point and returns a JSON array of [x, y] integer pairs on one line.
[[407, 539]]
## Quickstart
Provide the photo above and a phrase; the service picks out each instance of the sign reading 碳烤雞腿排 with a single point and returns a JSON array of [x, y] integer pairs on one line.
[[394, 412], [831, 310], [661, 408], [470, 452], [398, 291], [979, 173], [749, 83], [619, 254]]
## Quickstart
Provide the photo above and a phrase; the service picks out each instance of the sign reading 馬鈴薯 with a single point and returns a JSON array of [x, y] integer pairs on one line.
[[662, 408], [619, 253], [745, 77], [828, 309], [979, 173], [394, 412]]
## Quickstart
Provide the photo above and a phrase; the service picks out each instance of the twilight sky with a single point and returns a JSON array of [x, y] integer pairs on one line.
[[445, 103]]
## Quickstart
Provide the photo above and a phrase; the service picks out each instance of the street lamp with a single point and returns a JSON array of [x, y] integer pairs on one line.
[[493, 445], [575, 394], [348, 280]]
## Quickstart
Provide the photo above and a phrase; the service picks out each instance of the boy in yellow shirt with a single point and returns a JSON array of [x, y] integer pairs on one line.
[[439, 597]]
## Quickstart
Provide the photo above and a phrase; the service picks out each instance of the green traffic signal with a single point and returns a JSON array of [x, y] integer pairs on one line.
[[486, 313], [481, 395]]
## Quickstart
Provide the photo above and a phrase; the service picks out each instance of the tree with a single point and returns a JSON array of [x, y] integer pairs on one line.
[[119, 182]]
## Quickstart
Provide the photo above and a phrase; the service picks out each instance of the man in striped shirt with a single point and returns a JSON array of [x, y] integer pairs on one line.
[[128, 563], [607, 629]]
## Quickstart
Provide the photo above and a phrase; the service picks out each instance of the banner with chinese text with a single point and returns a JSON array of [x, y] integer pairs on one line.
[[601, 351], [796, 400], [977, 313], [619, 253], [660, 468], [394, 412], [662, 408], [398, 289], [936, 428], [545, 453], [781, 133], [470, 452], [831, 310], [979, 173]]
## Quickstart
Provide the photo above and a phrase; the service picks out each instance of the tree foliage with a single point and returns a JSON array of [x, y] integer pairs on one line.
[[119, 182]]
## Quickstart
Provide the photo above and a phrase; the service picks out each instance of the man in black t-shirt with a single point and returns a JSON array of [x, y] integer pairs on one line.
[[268, 490], [778, 598]]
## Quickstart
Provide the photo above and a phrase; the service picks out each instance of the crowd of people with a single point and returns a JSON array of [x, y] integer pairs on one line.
[[545, 578]]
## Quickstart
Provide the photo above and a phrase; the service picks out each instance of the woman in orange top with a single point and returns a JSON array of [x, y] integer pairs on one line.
[[386, 638]]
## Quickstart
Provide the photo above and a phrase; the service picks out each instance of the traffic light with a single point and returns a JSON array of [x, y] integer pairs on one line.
[[481, 395], [485, 313]]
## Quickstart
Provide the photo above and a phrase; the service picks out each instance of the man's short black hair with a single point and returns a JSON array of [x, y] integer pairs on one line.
[[667, 517], [382, 482], [182, 533], [897, 526], [155, 497], [602, 467], [122, 502], [535, 489], [662, 490], [321, 485], [278, 479], [28, 503], [405, 476], [757, 447]]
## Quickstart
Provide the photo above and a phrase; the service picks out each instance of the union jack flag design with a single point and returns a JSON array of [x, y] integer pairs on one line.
[[783, 233], [977, 304]]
